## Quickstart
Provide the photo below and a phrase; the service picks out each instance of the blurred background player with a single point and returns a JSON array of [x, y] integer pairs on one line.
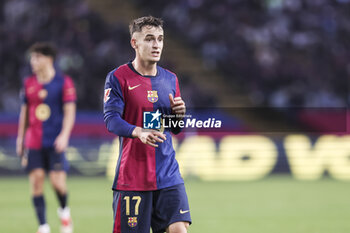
[[46, 119], [149, 191]]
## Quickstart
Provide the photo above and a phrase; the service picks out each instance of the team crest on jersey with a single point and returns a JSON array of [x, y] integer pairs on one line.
[[107, 93], [132, 221], [152, 96], [42, 112]]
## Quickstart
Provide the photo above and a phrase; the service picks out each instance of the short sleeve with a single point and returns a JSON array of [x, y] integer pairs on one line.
[[69, 92]]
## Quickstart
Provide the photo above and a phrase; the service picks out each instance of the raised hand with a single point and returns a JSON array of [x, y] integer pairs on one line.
[[177, 105]]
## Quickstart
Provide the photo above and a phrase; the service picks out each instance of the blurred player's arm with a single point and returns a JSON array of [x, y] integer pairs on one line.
[[62, 140], [22, 127]]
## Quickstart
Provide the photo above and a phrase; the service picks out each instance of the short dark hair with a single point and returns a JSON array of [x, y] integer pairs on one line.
[[45, 48], [136, 25]]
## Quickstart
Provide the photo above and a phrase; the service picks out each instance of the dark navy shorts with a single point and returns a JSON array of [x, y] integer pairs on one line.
[[46, 158], [139, 211]]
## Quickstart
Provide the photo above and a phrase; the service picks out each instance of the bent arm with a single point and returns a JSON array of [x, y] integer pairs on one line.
[[62, 140], [69, 110]]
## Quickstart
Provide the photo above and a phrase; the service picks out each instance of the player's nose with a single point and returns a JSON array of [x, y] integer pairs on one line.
[[155, 44]]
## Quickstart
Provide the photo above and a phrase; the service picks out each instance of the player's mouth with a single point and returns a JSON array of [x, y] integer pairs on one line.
[[155, 53]]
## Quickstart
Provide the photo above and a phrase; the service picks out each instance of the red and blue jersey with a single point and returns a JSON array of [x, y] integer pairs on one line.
[[128, 94], [45, 109]]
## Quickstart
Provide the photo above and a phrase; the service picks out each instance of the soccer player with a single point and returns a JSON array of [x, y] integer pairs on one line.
[[46, 119], [148, 189]]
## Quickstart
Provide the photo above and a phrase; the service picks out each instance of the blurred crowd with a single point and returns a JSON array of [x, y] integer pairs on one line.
[[281, 52], [88, 47]]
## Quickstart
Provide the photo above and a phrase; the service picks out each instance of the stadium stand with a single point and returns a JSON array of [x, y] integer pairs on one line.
[[286, 53], [282, 53], [88, 46]]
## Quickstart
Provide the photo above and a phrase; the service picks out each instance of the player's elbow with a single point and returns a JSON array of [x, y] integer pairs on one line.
[[109, 125]]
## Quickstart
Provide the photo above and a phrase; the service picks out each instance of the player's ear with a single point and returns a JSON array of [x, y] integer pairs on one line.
[[133, 43]]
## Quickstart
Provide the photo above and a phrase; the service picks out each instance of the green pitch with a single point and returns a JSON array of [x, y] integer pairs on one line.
[[276, 204]]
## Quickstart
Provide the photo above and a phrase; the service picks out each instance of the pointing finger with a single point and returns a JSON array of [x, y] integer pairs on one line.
[[171, 98]]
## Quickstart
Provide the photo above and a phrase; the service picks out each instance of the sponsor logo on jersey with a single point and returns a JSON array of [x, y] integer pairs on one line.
[[107, 93], [132, 88], [132, 221], [152, 96], [42, 112], [184, 211]]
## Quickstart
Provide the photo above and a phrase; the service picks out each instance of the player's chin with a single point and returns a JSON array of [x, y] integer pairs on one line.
[[154, 58]]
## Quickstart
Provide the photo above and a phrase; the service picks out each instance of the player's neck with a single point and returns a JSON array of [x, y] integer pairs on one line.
[[45, 75], [145, 68]]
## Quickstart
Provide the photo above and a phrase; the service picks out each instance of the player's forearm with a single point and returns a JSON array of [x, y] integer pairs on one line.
[[69, 110], [22, 123], [115, 124]]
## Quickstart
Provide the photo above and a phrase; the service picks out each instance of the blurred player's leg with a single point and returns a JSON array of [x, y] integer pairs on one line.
[[58, 181], [36, 179]]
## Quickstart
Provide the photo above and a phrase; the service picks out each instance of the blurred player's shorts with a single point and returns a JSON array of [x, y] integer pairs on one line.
[[46, 158]]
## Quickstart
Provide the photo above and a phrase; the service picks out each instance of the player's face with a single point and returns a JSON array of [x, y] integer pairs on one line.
[[39, 61], [148, 43]]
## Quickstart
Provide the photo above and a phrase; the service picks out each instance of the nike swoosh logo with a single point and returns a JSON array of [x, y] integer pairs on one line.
[[184, 211], [132, 88]]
